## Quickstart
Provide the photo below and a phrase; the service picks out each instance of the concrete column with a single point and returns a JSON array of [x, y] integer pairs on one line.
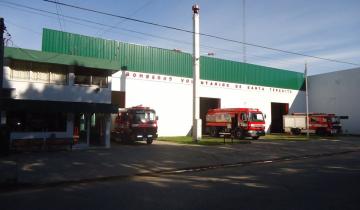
[[196, 75], [70, 125], [88, 127], [107, 130], [71, 75]]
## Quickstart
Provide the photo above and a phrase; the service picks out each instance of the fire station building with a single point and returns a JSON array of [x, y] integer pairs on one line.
[[337, 92], [71, 87]]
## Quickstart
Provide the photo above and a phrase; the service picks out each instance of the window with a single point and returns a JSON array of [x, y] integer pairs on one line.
[[144, 116], [38, 72], [58, 75], [37, 122], [86, 76], [243, 117], [20, 70], [82, 79], [100, 81], [256, 117]]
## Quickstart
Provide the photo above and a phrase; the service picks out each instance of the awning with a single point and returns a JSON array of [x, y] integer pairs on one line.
[[56, 106]]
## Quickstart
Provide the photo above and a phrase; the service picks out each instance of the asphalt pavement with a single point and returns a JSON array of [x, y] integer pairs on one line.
[[121, 161], [316, 183]]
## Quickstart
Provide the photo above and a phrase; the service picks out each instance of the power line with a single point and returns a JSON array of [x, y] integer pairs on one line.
[[57, 12], [105, 25], [202, 34], [22, 27], [120, 22], [70, 19]]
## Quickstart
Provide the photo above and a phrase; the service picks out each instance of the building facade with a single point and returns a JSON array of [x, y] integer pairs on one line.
[[161, 79], [56, 96], [80, 80], [338, 93]]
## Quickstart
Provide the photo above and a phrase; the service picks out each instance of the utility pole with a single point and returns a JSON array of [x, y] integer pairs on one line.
[[2, 29], [196, 134], [307, 101], [244, 31]]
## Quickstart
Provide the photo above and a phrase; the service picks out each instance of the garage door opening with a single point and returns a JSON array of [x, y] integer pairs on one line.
[[205, 105], [277, 112]]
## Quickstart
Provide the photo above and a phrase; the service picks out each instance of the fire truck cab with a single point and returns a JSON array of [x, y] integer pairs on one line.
[[240, 122], [136, 123]]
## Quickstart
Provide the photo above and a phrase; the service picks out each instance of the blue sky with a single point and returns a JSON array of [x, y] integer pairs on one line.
[[325, 28]]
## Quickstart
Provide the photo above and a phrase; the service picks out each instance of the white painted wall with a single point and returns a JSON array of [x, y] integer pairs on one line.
[[52, 92], [337, 92], [171, 97]]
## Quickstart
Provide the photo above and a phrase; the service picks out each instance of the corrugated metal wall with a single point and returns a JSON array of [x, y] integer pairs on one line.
[[161, 61]]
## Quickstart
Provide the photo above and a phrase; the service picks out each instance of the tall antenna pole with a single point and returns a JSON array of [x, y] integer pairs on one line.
[[307, 101], [196, 134], [244, 31]]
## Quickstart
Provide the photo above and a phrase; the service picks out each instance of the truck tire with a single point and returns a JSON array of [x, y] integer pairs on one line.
[[321, 132], [255, 137], [295, 131], [149, 141], [239, 134], [214, 132]]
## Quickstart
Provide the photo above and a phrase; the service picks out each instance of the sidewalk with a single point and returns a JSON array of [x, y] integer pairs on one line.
[[128, 160]]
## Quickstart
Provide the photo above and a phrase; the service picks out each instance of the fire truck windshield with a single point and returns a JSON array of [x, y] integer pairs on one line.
[[144, 116], [256, 117], [335, 120]]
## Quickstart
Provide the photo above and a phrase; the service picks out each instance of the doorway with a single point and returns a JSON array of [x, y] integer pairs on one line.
[[90, 129], [205, 105], [97, 129], [277, 112], [80, 128]]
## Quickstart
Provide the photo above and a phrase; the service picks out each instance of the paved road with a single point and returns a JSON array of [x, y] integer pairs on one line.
[[129, 160], [331, 182]]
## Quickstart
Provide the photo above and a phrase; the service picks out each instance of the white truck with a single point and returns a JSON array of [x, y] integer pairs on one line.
[[319, 123], [294, 124]]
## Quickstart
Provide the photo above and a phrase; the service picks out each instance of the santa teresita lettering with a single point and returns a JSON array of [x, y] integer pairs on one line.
[[137, 75]]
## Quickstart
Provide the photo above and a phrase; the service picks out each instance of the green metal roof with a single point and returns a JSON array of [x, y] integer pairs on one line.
[[58, 58], [168, 62]]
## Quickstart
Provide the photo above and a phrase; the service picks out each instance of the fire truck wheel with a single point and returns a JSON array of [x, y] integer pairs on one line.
[[214, 132], [149, 141], [255, 137], [295, 131], [239, 134], [321, 132]]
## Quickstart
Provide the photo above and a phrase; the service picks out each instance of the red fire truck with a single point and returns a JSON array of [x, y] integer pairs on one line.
[[136, 123], [240, 122], [319, 123]]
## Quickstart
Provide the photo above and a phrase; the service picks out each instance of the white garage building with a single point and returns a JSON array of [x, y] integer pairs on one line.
[[161, 79], [124, 75], [337, 92]]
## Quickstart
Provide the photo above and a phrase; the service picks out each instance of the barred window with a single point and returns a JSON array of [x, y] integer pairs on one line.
[[87, 76], [100, 81], [40, 76], [58, 75], [38, 72], [82, 79], [20, 70]]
